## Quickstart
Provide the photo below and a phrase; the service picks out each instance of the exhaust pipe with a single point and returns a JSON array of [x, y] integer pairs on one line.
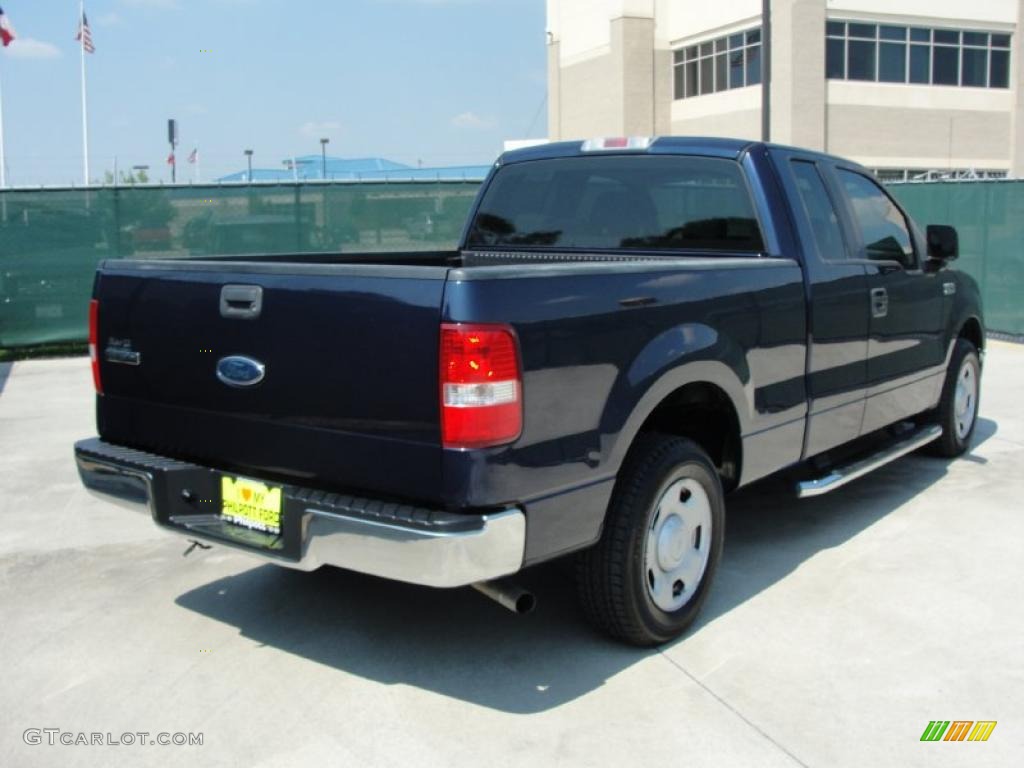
[[508, 595]]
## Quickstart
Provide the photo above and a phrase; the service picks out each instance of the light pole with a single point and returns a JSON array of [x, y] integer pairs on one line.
[[172, 138], [766, 70], [323, 158], [248, 157]]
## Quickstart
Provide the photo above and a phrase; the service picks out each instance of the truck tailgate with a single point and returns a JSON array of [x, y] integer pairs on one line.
[[349, 398]]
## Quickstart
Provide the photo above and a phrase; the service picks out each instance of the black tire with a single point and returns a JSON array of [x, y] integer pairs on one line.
[[612, 577], [954, 441]]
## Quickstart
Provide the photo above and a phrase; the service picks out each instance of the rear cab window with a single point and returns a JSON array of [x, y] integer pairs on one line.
[[645, 202], [820, 212]]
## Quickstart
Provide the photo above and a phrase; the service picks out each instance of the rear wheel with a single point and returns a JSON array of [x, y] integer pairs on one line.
[[647, 578], [957, 413]]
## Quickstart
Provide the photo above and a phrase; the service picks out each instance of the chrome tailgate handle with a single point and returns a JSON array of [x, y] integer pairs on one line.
[[242, 302]]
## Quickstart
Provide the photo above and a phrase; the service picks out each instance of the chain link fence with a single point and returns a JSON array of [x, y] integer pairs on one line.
[[989, 216], [52, 239]]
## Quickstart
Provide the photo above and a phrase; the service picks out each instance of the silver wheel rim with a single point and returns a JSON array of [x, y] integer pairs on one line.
[[678, 544], [965, 400]]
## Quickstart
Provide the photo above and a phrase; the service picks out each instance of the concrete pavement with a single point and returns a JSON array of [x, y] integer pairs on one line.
[[837, 629]]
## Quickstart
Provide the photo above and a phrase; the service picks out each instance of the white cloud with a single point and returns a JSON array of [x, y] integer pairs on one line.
[[317, 130], [29, 48], [473, 120]]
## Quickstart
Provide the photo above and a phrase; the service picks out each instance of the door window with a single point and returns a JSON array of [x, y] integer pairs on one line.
[[820, 212], [882, 225]]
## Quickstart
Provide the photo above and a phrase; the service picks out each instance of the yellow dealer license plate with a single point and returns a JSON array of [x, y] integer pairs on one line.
[[251, 503]]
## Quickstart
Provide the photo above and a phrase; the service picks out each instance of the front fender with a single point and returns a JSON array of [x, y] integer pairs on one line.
[[967, 305]]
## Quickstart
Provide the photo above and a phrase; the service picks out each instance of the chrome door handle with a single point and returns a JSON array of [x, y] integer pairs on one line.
[[879, 302]]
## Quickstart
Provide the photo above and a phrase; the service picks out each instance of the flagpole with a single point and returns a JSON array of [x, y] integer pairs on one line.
[[3, 157], [85, 115], [198, 174]]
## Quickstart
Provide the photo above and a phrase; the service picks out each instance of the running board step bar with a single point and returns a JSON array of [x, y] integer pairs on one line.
[[842, 475]]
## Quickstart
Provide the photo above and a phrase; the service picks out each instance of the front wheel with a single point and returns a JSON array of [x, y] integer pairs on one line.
[[647, 578], [957, 413]]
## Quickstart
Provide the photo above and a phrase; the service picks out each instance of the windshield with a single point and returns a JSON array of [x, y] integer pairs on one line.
[[619, 202]]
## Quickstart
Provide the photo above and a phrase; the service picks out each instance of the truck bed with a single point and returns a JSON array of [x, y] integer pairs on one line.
[[350, 345]]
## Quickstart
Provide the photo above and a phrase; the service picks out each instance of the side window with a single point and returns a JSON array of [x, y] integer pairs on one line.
[[820, 212], [882, 225]]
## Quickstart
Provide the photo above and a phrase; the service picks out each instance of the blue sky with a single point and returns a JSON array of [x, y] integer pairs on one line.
[[442, 81]]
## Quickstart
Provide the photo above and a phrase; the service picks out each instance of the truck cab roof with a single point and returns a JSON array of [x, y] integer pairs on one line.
[[708, 146]]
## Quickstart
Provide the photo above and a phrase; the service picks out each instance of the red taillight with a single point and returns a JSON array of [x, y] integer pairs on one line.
[[481, 386], [94, 344]]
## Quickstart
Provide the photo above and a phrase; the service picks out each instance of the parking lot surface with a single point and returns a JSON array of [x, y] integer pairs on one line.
[[837, 629]]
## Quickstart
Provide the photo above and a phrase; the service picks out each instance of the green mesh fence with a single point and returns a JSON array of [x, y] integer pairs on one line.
[[51, 240], [989, 215]]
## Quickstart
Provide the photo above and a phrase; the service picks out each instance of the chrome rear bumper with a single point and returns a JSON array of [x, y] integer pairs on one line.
[[413, 544]]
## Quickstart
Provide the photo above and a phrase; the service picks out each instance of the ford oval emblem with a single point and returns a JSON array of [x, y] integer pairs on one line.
[[239, 371]]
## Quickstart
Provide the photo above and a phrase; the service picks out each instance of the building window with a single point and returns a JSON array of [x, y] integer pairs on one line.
[[898, 175], [884, 53], [728, 62]]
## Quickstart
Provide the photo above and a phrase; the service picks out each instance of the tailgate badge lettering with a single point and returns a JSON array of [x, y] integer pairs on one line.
[[240, 371], [120, 351]]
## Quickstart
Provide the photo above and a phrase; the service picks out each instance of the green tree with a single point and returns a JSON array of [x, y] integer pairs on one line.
[[130, 177]]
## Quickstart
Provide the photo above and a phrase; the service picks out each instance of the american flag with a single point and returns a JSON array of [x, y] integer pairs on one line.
[[85, 35], [6, 30]]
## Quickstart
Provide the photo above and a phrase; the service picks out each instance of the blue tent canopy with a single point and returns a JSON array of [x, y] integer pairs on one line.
[[311, 167]]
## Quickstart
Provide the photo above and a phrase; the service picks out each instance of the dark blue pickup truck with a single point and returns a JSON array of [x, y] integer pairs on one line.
[[630, 329]]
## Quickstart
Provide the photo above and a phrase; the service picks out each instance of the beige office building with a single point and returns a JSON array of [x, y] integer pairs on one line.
[[905, 87]]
